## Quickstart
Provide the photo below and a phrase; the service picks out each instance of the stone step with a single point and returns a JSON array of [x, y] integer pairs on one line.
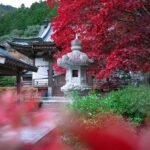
[[55, 100], [55, 104], [54, 107]]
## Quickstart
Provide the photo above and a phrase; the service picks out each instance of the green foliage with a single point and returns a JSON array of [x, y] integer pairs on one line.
[[24, 17], [16, 32], [7, 81], [85, 104], [132, 103], [4, 38], [13, 33], [31, 31]]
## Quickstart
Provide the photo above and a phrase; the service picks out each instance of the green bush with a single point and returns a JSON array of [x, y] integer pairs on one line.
[[85, 104], [131, 102]]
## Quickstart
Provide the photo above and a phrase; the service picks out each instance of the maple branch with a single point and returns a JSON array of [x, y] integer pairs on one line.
[[145, 9], [125, 21]]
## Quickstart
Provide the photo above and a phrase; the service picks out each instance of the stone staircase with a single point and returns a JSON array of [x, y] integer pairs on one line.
[[54, 103]]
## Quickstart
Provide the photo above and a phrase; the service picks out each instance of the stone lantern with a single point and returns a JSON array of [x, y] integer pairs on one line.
[[75, 64]]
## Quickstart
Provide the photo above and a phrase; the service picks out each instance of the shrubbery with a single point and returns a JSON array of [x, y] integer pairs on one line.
[[85, 104], [7, 81], [131, 102]]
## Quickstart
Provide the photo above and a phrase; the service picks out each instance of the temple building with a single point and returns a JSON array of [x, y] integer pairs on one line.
[[40, 51], [11, 66]]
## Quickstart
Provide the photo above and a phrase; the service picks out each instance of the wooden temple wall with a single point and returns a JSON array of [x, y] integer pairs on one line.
[[147, 79]]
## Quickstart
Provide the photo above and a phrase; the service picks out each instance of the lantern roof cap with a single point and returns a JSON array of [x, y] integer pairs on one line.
[[76, 57]]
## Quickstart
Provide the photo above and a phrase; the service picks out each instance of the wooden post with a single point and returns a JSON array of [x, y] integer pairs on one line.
[[33, 80], [18, 77], [50, 77]]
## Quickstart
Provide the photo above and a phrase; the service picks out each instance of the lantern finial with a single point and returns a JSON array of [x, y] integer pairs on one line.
[[77, 36]]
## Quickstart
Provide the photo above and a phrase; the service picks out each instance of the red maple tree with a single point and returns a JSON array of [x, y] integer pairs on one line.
[[114, 33]]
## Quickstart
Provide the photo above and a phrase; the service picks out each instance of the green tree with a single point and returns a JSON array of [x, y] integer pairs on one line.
[[24, 17]]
